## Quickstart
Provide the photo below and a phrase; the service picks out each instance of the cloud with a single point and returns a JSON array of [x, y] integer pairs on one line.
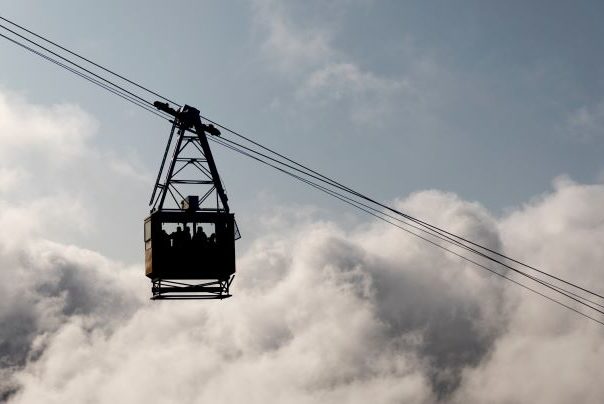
[[56, 133], [346, 78], [291, 48], [44, 152], [559, 231], [323, 315], [42, 143], [56, 180], [587, 122], [302, 48], [320, 314], [10, 177], [370, 96], [41, 148], [44, 285]]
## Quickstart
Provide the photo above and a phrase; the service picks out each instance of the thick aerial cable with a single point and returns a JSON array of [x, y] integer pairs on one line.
[[109, 82], [368, 211], [338, 185], [569, 294], [290, 164], [86, 74], [380, 215], [86, 77], [426, 227], [322, 177], [313, 174], [87, 60]]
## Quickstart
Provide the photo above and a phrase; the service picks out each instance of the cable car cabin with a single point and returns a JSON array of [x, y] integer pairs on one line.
[[189, 245], [190, 254]]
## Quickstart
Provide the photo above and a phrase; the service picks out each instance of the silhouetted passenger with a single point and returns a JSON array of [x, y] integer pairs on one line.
[[212, 240], [187, 235], [178, 238], [164, 241], [200, 238]]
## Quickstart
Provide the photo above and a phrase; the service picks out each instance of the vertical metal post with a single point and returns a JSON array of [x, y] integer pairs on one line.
[[181, 133], [163, 161]]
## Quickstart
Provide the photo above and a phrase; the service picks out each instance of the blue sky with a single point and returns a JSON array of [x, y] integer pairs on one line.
[[488, 92], [488, 100]]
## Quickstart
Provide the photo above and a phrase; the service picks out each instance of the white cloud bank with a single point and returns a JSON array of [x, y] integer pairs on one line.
[[57, 181], [50, 176], [319, 314]]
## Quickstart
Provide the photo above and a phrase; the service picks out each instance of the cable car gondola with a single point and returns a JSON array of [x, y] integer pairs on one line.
[[189, 241]]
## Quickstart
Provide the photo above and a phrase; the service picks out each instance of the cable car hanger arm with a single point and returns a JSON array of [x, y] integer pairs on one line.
[[188, 118]]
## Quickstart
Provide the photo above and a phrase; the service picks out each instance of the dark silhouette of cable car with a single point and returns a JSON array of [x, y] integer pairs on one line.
[[189, 246]]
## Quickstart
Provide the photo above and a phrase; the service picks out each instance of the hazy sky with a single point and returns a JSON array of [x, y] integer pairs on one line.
[[485, 117], [489, 100]]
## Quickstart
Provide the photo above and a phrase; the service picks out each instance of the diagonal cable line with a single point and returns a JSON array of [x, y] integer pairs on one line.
[[84, 76], [423, 223], [425, 227], [77, 65], [88, 60], [360, 207], [315, 174], [447, 235]]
